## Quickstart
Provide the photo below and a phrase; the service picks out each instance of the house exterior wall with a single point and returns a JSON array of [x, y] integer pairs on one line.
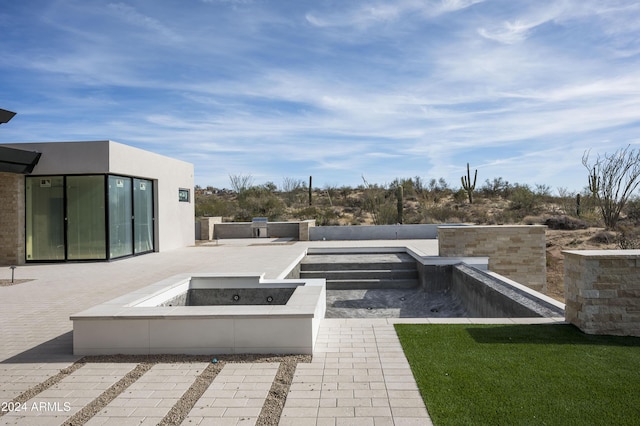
[[11, 219], [174, 219]]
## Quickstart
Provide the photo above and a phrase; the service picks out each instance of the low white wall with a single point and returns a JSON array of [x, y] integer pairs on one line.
[[195, 336], [374, 232], [128, 325]]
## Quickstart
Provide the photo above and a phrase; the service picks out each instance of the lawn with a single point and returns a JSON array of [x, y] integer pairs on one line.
[[523, 374]]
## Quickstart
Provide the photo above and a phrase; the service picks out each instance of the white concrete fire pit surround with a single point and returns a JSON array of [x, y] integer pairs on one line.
[[136, 323]]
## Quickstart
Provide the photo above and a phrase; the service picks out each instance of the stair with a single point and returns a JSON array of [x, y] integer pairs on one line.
[[362, 271]]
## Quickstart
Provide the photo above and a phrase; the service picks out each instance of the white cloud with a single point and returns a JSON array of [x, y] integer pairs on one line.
[[446, 6], [520, 28], [361, 17], [508, 32], [132, 16]]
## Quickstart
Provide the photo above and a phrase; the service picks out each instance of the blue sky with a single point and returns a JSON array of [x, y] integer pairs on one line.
[[335, 89]]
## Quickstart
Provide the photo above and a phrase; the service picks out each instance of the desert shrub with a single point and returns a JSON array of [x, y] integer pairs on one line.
[[632, 210], [325, 216], [533, 220], [603, 237], [460, 196], [565, 223], [613, 178], [212, 206], [628, 238], [444, 214], [259, 201], [522, 198], [495, 187], [480, 217]]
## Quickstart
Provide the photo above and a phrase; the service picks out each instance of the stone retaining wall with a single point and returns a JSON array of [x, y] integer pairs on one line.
[[602, 291], [518, 252]]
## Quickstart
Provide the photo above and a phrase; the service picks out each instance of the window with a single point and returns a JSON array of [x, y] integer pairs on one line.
[[81, 218], [86, 231], [45, 218], [120, 217], [143, 215], [183, 195]]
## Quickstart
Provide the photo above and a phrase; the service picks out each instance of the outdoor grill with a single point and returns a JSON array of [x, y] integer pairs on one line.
[[259, 227]]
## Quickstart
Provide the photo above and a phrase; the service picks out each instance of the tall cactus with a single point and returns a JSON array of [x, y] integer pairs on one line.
[[467, 185], [594, 183], [310, 190], [578, 205], [400, 205]]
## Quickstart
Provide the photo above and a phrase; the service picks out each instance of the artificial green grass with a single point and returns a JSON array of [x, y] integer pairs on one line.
[[523, 374]]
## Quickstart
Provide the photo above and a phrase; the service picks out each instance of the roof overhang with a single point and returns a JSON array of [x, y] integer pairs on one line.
[[14, 160], [5, 115]]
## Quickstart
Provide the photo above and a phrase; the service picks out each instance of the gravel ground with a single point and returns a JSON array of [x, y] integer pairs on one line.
[[269, 416]]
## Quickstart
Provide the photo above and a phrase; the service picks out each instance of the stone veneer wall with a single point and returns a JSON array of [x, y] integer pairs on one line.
[[518, 252], [602, 291], [207, 227], [11, 219], [303, 230]]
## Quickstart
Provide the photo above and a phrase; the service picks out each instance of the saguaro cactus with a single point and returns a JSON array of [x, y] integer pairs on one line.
[[310, 190], [578, 205], [400, 205], [467, 185]]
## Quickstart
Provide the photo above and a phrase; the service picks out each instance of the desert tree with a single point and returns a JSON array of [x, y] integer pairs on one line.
[[377, 202], [241, 183], [292, 184], [612, 180]]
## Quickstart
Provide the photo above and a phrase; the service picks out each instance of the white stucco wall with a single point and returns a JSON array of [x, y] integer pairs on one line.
[[174, 219]]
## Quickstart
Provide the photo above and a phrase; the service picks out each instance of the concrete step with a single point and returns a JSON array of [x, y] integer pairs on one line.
[[371, 284], [355, 261], [350, 266], [362, 261], [362, 271], [354, 274]]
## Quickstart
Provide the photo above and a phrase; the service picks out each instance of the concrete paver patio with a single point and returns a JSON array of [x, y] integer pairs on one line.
[[358, 375]]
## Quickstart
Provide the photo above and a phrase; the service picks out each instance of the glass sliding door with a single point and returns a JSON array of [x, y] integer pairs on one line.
[[89, 217], [143, 215], [86, 230], [120, 217], [45, 218]]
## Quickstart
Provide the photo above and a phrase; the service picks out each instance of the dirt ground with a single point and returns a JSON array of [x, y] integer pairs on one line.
[[582, 239]]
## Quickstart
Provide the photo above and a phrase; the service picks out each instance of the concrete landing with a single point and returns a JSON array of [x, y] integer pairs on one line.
[[392, 303]]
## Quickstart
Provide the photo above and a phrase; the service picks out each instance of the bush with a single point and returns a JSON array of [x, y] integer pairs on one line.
[[566, 223], [629, 238], [603, 237], [323, 216], [524, 199], [534, 220], [632, 210]]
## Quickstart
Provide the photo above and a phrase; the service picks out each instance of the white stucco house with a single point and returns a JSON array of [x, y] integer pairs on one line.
[[91, 201]]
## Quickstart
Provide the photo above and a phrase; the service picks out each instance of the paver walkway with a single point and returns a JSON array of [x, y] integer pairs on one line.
[[236, 395], [358, 375], [61, 401], [150, 398]]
